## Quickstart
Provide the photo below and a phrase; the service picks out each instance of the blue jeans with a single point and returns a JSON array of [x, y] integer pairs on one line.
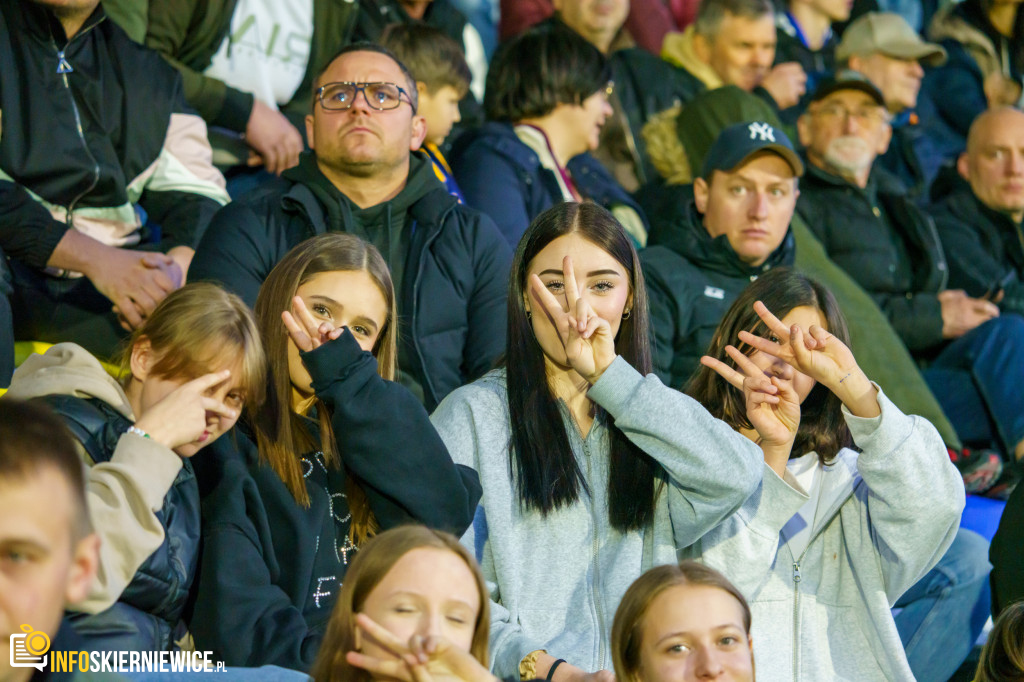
[[976, 380], [945, 611]]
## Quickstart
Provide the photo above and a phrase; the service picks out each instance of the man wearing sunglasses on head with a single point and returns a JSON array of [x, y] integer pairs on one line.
[[363, 175]]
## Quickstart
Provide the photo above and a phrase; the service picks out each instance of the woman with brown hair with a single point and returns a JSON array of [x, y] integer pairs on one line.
[[411, 597], [857, 501], [682, 623], [186, 374], [336, 453]]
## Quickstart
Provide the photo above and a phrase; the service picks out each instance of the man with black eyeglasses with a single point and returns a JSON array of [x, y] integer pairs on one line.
[[363, 175]]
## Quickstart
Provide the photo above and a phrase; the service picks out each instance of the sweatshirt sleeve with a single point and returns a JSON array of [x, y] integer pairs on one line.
[[456, 420], [388, 444], [711, 468], [124, 495], [910, 498], [745, 544]]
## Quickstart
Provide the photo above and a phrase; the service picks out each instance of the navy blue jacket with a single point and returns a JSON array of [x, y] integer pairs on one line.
[[271, 568], [502, 177], [147, 616], [452, 304]]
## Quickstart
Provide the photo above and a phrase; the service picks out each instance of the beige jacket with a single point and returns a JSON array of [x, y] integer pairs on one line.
[[123, 494], [678, 50]]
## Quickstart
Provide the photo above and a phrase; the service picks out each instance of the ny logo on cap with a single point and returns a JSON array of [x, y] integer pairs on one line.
[[762, 131]]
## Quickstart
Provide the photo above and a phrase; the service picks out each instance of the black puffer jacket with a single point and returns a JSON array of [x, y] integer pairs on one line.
[[147, 616], [886, 244], [985, 247], [692, 280], [451, 304]]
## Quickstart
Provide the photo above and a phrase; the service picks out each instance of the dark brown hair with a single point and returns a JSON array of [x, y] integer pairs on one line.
[[374, 560], [628, 626], [32, 439], [542, 463], [281, 436], [822, 427], [433, 58]]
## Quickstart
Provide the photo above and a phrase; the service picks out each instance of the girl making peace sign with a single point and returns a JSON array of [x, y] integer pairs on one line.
[[833, 536], [591, 471]]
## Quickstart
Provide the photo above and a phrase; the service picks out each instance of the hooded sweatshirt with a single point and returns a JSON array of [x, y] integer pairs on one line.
[[124, 493], [879, 520], [557, 580]]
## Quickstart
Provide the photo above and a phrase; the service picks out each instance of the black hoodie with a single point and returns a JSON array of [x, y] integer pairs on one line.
[[692, 280]]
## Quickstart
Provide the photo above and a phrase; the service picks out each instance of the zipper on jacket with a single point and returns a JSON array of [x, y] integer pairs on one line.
[[797, 577], [597, 566], [63, 68]]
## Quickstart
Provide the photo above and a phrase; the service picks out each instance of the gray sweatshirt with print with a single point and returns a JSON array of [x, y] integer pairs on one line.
[[556, 581], [884, 518]]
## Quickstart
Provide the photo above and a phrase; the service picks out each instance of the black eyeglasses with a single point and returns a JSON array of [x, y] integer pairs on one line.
[[380, 96]]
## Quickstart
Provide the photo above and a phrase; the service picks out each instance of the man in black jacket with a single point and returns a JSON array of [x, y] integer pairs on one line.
[[95, 127], [980, 222], [874, 232], [448, 262], [737, 227]]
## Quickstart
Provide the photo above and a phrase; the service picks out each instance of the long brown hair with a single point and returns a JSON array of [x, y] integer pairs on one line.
[[280, 434], [1002, 659], [371, 564], [193, 331], [822, 427], [628, 626]]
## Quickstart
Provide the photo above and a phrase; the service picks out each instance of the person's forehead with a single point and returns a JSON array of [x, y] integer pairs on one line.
[[1002, 130], [736, 27], [364, 67], [36, 507], [766, 165]]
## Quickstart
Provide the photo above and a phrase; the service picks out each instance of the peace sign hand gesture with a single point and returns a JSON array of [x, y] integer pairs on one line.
[[821, 356], [586, 337], [306, 332]]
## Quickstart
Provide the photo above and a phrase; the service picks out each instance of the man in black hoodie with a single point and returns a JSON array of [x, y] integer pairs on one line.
[[448, 262], [736, 228]]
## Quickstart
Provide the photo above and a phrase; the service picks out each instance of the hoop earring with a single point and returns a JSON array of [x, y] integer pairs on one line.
[[626, 314], [529, 315]]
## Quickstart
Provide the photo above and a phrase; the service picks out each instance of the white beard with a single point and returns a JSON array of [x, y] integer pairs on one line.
[[849, 154]]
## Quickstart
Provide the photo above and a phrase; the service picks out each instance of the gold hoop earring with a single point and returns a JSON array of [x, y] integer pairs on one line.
[[529, 315], [626, 314]]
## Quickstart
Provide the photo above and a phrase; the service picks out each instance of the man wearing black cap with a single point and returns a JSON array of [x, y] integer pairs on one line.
[[736, 228]]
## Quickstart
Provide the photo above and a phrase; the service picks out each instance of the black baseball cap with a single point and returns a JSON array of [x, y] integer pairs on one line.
[[737, 143], [848, 80]]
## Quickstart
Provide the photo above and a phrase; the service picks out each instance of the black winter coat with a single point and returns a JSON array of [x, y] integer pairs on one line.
[[452, 303], [887, 244], [147, 615], [692, 280], [985, 247], [271, 569]]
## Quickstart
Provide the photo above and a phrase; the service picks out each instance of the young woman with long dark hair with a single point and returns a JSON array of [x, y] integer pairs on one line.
[[336, 453], [592, 472], [857, 501]]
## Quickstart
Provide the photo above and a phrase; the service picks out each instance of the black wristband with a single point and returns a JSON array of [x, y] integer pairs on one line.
[[551, 670]]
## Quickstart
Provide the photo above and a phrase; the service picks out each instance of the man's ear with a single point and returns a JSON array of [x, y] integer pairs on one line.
[[885, 139], [963, 166], [85, 563], [701, 191], [419, 132], [803, 129], [142, 358], [309, 131]]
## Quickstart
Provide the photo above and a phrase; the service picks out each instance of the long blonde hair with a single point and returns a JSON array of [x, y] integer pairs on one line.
[[193, 331], [371, 564], [280, 434]]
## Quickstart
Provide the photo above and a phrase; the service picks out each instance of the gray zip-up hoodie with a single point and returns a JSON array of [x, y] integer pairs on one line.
[[884, 518], [556, 581]]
